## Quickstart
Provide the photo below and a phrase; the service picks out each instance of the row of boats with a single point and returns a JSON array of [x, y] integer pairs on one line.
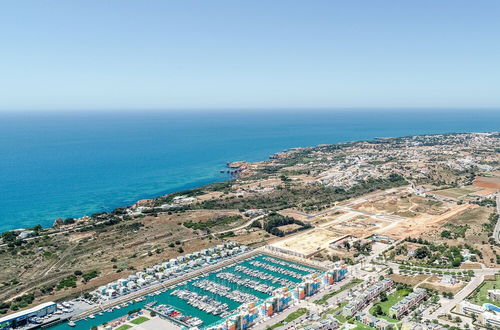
[[205, 303], [224, 291], [109, 310], [264, 276], [289, 264], [276, 269], [246, 282], [173, 314]]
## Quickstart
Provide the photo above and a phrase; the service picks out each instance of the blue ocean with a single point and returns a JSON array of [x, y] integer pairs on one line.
[[69, 165]]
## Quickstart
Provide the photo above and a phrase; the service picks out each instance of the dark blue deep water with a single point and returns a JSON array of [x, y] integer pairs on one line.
[[68, 165]]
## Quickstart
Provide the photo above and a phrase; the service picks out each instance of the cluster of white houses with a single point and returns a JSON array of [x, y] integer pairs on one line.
[[169, 269], [407, 303], [368, 295], [485, 316]]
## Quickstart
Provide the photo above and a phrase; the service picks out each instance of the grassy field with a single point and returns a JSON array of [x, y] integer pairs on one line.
[[480, 296], [139, 320], [361, 326], [341, 318], [327, 296], [455, 192], [293, 316], [124, 327], [333, 310], [391, 300]]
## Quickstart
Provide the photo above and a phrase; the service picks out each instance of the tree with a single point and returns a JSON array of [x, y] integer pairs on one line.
[[377, 310], [9, 236], [256, 224], [422, 252], [37, 229], [446, 234], [383, 296]]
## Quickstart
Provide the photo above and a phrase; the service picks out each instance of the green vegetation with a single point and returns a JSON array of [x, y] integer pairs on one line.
[[68, 282], [133, 311], [454, 231], [341, 318], [480, 295], [225, 220], [492, 221], [310, 197], [139, 320], [361, 326], [486, 202], [90, 275], [333, 310], [291, 317], [327, 296], [275, 220], [124, 327], [17, 303], [432, 255], [226, 235], [381, 309]]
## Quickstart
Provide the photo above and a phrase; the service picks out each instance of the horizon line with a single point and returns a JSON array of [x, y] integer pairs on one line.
[[246, 109]]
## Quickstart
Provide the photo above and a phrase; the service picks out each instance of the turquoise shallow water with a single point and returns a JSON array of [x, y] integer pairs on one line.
[[186, 309], [69, 165]]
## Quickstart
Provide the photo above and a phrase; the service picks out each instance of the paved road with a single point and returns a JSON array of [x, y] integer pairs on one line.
[[496, 231], [248, 223], [461, 295], [477, 271]]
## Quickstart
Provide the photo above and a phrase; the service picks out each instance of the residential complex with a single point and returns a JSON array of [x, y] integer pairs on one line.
[[365, 297], [406, 304]]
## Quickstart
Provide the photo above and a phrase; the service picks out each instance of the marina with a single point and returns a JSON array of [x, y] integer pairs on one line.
[[208, 299], [264, 276], [256, 285], [277, 269], [225, 291]]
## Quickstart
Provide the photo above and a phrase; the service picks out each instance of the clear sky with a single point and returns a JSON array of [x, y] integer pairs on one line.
[[140, 54]]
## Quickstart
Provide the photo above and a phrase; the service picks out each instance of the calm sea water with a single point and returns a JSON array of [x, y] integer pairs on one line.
[[69, 165]]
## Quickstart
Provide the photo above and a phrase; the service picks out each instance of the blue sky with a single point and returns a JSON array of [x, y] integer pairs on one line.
[[97, 55]]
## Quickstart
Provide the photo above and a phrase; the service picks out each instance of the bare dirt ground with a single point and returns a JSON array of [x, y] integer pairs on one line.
[[403, 205], [410, 280], [457, 193], [308, 242], [424, 223], [358, 226], [487, 182], [115, 251], [327, 217], [254, 237], [434, 283], [294, 213]]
